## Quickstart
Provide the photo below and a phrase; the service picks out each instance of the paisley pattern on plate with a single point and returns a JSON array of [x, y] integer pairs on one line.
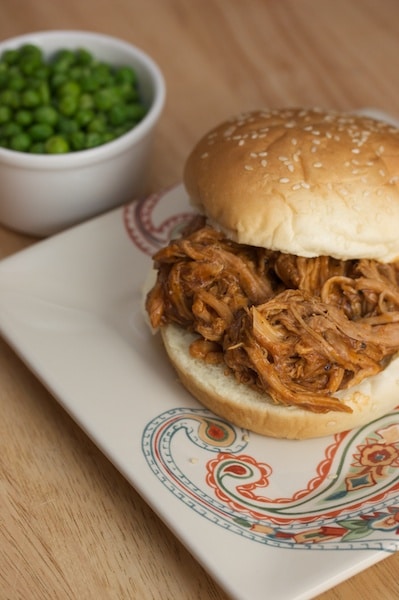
[[345, 497], [147, 226]]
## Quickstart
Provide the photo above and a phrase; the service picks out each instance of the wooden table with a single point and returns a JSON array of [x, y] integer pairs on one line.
[[70, 525]]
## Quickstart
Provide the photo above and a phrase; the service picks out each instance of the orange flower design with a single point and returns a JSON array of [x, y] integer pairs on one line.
[[379, 455]]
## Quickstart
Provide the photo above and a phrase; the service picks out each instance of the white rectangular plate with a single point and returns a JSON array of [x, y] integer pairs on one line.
[[252, 510]]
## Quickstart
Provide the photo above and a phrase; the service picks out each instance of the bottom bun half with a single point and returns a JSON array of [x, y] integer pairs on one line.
[[247, 408]]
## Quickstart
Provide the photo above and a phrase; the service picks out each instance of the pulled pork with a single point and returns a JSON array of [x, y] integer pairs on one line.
[[300, 329]]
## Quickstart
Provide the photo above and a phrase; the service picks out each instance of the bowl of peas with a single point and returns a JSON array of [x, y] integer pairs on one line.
[[78, 112]]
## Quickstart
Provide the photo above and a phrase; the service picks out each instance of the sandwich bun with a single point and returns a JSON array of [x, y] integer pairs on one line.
[[304, 182]]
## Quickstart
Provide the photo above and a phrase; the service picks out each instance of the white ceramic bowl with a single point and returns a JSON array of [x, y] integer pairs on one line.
[[43, 194]]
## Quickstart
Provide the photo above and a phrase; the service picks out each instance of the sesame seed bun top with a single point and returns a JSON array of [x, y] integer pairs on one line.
[[305, 182]]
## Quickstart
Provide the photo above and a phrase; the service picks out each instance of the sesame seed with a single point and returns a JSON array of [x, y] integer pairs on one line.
[[205, 155], [305, 185], [263, 163], [248, 168], [284, 180], [382, 172], [241, 142], [355, 150], [229, 132], [294, 141], [291, 167], [262, 153], [296, 186], [317, 165]]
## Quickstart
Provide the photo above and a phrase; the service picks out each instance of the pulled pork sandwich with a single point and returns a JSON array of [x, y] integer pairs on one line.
[[279, 304]]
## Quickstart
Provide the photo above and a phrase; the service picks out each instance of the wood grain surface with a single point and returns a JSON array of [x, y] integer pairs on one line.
[[71, 527]]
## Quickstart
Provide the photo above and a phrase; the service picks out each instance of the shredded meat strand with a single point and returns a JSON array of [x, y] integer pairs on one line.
[[300, 329]]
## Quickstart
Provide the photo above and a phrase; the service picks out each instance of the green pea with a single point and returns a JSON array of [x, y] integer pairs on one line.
[[135, 111], [84, 116], [40, 131], [118, 114], [69, 88], [86, 101], [63, 61], [126, 75], [127, 92], [102, 72], [10, 57], [90, 83], [43, 72], [20, 142], [31, 50], [37, 148], [46, 114], [83, 57], [68, 105], [57, 145], [77, 140], [5, 114], [108, 136], [97, 125], [67, 125], [57, 79], [10, 98], [30, 98], [9, 129], [93, 139], [16, 82], [105, 98], [29, 64], [23, 117], [44, 91]]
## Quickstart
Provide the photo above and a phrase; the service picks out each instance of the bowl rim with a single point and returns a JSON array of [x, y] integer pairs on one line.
[[114, 147]]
